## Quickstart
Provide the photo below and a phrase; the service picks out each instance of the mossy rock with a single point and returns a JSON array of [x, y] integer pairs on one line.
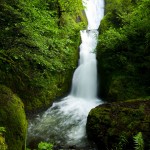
[[13, 118], [113, 125]]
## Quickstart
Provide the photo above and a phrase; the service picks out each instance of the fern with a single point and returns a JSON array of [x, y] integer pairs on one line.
[[123, 141], [139, 142], [45, 146]]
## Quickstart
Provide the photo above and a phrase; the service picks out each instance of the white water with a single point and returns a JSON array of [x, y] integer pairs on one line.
[[65, 121], [94, 11]]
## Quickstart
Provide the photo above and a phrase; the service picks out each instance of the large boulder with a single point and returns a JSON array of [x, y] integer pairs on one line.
[[13, 118], [113, 125]]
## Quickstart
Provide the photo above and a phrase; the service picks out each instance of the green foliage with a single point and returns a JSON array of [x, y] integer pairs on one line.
[[2, 129], [123, 50], [38, 41], [122, 142], [45, 146], [115, 10], [139, 142], [70, 6]]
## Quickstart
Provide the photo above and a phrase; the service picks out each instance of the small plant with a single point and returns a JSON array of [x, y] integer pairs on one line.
[[139, 142], [45, 146], [2, 129], [123, 141]]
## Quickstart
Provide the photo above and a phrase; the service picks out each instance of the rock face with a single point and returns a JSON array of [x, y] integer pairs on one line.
[[113, 125], [12, 117]]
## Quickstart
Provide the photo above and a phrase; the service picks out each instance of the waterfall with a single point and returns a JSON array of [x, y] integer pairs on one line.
[[64, 122], [84, 83]]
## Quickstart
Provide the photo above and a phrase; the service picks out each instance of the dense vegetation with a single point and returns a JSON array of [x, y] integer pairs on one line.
[[123, 50], [38, 48]]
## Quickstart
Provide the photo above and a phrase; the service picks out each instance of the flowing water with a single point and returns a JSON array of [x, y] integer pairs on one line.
[[64, 122]]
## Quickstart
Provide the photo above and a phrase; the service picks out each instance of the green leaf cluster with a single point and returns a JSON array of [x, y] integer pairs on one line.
[[2, 129], [38, 44], [45, 146], [139, 142], [123, 49]]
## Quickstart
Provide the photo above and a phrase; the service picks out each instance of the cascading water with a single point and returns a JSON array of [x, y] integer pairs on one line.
[[64, 122]]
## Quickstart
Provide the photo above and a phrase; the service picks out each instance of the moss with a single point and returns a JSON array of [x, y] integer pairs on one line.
[[13, 118], [109, 124]]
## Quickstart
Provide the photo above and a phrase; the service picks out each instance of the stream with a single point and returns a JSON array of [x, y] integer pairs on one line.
[[64, 123]]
